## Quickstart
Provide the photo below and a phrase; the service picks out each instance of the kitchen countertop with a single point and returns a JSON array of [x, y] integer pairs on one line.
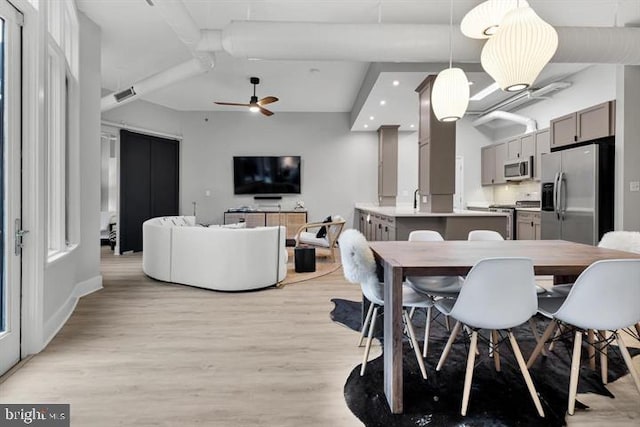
[[408, 211], [528, 209]]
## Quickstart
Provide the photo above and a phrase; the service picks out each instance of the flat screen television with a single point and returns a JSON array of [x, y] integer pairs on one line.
[[266, 175]]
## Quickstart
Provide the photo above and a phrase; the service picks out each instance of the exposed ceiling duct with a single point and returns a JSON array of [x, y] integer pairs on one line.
[[402, 43], [178, 18], [529, 123], [524, 97]]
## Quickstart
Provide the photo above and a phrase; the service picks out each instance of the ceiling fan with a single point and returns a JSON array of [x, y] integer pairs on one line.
[[254, 104]]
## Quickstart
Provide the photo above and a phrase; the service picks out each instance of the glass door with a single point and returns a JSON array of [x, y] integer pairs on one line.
[[10, 184]]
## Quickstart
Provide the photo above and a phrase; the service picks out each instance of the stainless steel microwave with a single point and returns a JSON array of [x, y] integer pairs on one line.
[[518, 169]]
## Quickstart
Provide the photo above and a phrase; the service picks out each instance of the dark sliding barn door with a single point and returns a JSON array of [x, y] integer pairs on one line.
[[148, 184]]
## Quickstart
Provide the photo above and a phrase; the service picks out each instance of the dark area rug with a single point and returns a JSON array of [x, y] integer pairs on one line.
[[497, 398]]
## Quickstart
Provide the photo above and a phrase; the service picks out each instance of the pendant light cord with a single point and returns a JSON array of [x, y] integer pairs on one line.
[[451, 34]]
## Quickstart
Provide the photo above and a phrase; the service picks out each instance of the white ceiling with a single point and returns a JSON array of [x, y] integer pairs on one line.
[[136, 43]]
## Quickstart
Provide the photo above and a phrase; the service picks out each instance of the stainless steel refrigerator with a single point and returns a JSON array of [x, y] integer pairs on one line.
[[577, 193]]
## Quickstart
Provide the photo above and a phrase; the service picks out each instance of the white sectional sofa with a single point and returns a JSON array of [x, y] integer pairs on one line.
[[177, 250]]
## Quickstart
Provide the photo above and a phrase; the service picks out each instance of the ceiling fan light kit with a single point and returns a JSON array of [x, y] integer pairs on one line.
[[450, 92], [254, 104], [521, 48], [483, 21]]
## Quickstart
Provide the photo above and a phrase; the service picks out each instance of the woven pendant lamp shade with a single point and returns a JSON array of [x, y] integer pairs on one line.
[[450, 95], [483, 21], [523, 45]]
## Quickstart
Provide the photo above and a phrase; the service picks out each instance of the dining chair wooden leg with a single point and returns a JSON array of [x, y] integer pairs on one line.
[[416, 348], [604, 359], [447, 323], [427, 331], [447, 347], [591, 350], [575, 372], [627, 360], [545, 336], [369, 339], [534, 331], [471, 359], [412, 312], [555, 337], [525, 373], [491, 344], [638, 329], [367, 319], [496, 353]]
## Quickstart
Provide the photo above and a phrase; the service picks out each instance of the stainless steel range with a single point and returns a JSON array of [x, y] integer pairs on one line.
[[510, 211]]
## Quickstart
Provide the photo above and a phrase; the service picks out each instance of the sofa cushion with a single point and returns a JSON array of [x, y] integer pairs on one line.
[[311, 239]]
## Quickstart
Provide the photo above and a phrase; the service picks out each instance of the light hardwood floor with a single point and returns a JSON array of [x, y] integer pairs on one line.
[[144, 353]]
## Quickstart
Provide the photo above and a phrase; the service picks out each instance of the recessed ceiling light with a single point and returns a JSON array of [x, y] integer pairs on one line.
[[471, 83], [485, 92], [366, 125], [371, 117], [383, 102], [396, 83], [412, 126]]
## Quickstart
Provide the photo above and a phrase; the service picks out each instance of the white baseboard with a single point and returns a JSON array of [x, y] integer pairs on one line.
[[56, 322]]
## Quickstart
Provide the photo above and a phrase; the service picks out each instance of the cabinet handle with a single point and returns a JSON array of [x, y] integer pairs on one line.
[[386, 229], [379, 226], [532, 223], [575, 137]]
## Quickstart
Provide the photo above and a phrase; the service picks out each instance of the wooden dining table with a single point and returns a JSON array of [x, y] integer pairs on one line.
[[558, 258]]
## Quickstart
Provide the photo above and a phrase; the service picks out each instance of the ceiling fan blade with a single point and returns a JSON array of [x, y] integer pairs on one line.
[[265, 111], [267, 100], [231, 103]]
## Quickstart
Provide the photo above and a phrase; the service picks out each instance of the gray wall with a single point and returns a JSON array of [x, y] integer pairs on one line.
[[338, 166]]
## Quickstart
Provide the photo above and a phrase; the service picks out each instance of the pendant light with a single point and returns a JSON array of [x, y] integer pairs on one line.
[[523, 45], [450, 93], [483, 21]]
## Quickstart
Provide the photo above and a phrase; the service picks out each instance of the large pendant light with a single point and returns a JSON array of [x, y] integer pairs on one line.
[[450, 93], [523, 45], [483, 21]]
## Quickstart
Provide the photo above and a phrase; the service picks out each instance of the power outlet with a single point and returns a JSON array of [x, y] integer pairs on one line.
[[425, 199], [634, 186]]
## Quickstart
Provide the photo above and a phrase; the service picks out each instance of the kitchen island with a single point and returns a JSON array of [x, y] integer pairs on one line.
[[396, 222]]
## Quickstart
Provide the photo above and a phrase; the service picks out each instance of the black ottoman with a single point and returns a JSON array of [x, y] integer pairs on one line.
[[304, 259]]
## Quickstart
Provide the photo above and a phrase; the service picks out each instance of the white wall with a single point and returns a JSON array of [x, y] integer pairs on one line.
[[469, 141], [338, 166], [78, 272]]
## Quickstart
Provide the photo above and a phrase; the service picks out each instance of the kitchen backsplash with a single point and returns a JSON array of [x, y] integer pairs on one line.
[[509, 193]]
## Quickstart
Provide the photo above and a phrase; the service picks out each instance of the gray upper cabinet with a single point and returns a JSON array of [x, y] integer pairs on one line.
[[563, 130], [542, 146], [514, 149], [501, 157], [594, 122], [584, 125], [488, 161], [492, 157]]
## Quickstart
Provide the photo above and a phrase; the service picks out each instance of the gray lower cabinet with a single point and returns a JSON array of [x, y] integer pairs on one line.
[[528, 225]]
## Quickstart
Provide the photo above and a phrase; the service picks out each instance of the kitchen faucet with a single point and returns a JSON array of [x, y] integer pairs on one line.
[[415, 198]]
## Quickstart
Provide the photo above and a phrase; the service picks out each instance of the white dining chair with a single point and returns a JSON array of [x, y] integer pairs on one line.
[[490, 235], [497, 294], [433, 286], [484, 235], [587, 308], [359, 266], [628, 241]]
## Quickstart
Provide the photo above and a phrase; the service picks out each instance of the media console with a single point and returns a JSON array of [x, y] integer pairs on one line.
[[292, 220]]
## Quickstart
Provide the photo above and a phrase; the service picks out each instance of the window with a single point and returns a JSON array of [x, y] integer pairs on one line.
[[62, 126]]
